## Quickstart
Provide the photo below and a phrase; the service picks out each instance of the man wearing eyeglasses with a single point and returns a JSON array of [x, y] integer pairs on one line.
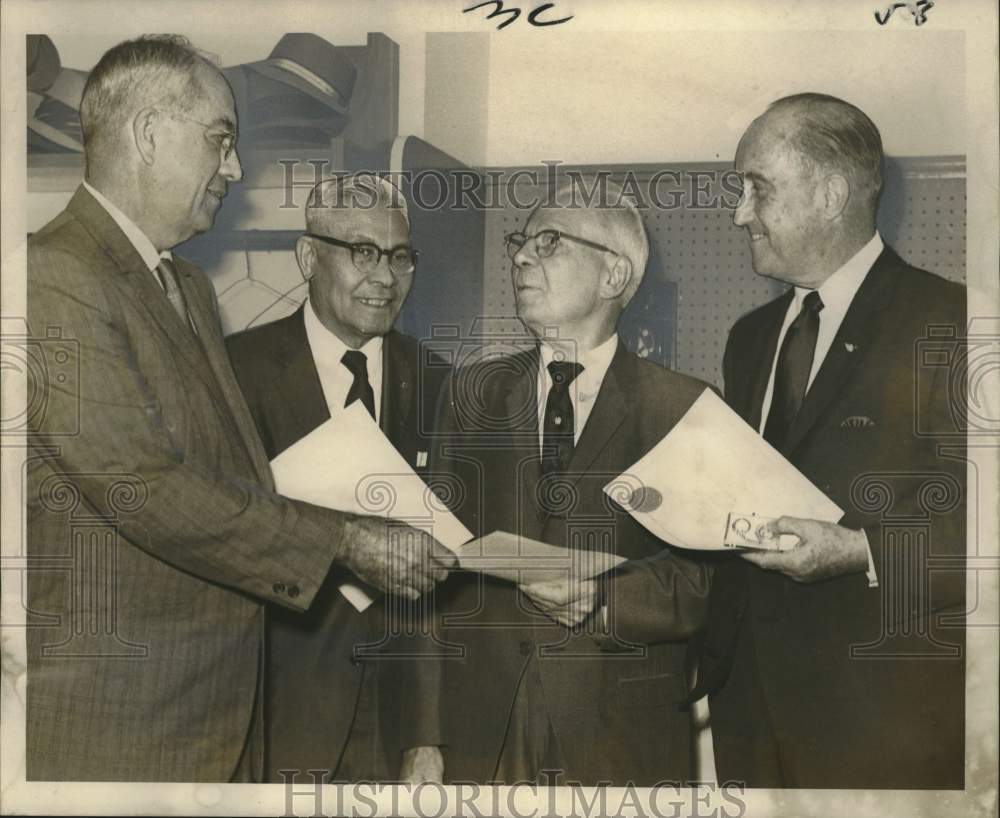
[[153, 528], [331, 705], [553, 685]]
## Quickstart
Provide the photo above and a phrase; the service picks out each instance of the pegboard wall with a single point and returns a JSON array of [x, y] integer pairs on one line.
[[695, 246]]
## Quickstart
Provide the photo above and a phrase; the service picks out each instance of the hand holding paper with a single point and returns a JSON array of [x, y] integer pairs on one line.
[[567, 601], [348, 464], [402, 560], [825, 550], [709, 465]]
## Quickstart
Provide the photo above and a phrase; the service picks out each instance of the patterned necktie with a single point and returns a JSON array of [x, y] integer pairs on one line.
[[791, 373], [361, 389], [558, 422], [167, 273]]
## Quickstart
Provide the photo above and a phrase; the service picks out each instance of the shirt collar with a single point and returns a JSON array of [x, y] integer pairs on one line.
[[328, 349], [839, 289], [595, 362], [139, 240]]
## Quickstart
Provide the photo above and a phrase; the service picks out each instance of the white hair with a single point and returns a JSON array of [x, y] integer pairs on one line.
[[362, 191]]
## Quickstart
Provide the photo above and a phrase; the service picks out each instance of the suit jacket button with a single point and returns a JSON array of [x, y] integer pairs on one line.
[[293, 591], [278, 587], [525, 648]]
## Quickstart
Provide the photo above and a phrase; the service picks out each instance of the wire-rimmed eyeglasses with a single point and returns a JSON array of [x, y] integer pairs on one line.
[[366, 256], [225, 141], [547, 241]]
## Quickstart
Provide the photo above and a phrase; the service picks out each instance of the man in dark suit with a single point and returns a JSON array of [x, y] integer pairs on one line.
[[147, 480], [540, 688], [844, 655], [340, 697]]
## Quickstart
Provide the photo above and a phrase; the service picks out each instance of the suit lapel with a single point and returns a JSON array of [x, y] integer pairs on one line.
[[761, 351], [851, 343], [520, 406], [140, 283], [398, 385], [610, 410], [298, 389]]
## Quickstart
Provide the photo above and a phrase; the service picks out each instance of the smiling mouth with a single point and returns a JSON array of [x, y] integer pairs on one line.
[[378, 303], [218, 194], [757, 236]]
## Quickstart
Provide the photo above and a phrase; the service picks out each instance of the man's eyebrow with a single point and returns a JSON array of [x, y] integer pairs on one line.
[[223, 122]]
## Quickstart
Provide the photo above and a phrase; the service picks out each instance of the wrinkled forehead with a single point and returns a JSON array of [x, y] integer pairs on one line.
[[587, 223]]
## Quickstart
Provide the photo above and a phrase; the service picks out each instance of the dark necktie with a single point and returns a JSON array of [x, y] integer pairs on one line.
[[167, 273], [558, 422], [791, 372], [361, 389]]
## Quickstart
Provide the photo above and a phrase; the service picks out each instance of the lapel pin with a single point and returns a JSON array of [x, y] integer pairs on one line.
[[421, 459], [849, 346]]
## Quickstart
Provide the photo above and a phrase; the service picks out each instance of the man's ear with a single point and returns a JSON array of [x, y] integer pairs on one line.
[[305, 255], [836, 193], [144, 133], [616, 280]]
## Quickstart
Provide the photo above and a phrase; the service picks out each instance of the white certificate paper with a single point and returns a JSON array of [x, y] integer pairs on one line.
[[710, 464]]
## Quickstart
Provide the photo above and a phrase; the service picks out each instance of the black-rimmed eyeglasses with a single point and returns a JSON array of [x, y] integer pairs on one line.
[[366, 256], [547, 241]]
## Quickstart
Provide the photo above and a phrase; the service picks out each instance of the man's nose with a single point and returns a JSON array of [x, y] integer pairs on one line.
[[524, 257], [231, 168], [381, 273], [743, 214]]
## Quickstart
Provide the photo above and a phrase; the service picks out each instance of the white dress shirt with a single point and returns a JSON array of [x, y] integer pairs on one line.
[[139, 240], [335, 378], [584, 388], [836, 293]]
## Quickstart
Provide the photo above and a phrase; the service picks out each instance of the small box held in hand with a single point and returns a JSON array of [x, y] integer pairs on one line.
[[752, 531]]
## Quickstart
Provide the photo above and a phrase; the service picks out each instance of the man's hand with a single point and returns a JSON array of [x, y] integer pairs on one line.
[[825, 550], [566, 601], [395, 557], [421, 765]]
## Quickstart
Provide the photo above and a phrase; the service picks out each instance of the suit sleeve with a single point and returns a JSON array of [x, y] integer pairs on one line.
[[213, 525], [662, 598]]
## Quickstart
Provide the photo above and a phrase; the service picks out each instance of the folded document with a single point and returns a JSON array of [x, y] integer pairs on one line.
[[349, 465], [710, 466]]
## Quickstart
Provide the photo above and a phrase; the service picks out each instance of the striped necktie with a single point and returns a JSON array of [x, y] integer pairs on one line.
[[167, 273]]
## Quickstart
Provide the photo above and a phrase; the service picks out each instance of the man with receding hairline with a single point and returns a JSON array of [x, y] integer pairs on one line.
[[344, 693], [552, 684], [834, 664], [144, 660]]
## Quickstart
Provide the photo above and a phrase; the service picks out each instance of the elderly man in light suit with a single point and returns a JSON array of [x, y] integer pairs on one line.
[[167, 687]]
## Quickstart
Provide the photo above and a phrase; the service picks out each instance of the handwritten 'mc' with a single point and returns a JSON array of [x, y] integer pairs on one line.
[[514, 12]]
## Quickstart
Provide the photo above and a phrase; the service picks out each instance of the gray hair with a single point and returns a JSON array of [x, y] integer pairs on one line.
[[832, 134], [622, 224], [155, 69], [361, 191]]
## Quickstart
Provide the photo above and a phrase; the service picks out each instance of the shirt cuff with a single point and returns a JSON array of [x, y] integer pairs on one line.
[[870, 573]]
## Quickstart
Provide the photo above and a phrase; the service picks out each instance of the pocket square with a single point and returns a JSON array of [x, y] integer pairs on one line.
[[856, 422]]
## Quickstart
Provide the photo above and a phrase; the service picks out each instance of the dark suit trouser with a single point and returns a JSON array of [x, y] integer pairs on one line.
[[364, 757], [742, 733], [530, 745]]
